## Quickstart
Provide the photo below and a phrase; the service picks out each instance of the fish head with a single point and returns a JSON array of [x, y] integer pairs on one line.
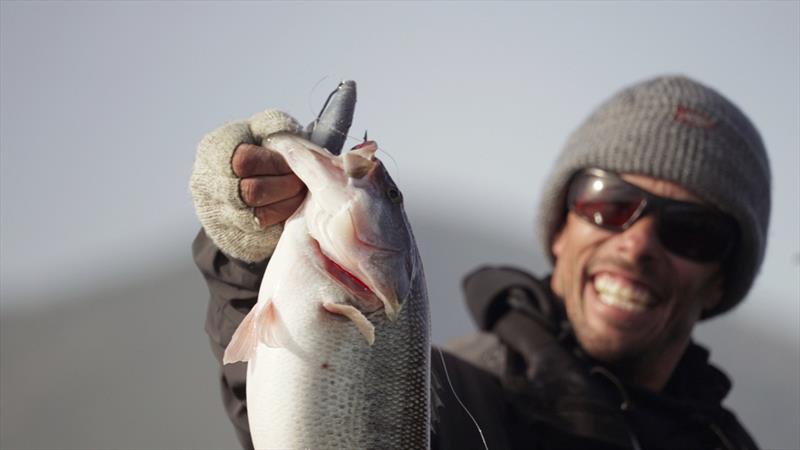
[[354, 214], [382, 244]]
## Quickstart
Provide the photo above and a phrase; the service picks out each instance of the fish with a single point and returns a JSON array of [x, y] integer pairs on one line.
[[338, 343]]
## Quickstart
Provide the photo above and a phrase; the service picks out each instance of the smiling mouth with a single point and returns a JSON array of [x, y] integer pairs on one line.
[[622, 293]]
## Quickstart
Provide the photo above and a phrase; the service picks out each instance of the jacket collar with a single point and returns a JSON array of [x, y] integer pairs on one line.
[[493, 293]]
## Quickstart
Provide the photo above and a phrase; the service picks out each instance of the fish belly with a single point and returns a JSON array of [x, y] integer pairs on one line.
[[343, 394]]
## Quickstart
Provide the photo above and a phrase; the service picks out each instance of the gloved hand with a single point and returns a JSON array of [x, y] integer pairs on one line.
[[243, 192]]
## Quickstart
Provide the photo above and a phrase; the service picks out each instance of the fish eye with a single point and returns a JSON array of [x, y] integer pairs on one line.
[[394, 195]]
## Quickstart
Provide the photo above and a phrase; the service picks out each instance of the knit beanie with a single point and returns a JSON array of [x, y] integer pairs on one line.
[[676, 129]]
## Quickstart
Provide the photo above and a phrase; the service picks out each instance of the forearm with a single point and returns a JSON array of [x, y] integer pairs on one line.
[[233, 288]]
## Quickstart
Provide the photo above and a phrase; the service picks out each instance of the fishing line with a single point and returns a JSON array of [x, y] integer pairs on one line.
[[452, 389], [311, 95], [358, 140], [348, 137], [394, 161]]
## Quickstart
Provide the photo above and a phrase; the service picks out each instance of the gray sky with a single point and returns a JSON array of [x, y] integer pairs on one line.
[[103, 104]]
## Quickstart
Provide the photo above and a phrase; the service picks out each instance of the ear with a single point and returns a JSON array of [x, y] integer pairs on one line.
[[557, 244], [556, 247]]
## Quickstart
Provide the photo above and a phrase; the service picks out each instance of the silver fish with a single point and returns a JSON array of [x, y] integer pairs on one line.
[[338, 345]]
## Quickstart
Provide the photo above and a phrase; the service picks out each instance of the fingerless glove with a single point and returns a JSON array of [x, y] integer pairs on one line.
[[227, 220]]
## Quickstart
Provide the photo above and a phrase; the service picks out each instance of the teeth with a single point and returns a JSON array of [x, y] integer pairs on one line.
[[622, 294]]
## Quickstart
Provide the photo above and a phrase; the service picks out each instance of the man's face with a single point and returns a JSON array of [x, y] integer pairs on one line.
[[627, 297]]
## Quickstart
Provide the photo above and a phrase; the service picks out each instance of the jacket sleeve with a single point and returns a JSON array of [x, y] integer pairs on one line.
[[233, 288]]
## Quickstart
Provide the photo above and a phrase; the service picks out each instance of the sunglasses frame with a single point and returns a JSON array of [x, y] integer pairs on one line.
[[651, 203]]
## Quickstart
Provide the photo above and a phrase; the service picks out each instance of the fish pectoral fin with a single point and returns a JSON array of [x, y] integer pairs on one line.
[[260, 324], [242, 346], [273, 331], [362, 323]]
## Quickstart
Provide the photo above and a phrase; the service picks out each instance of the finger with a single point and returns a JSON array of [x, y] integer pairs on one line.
[[251, 160], [278, 212], [264, 190]]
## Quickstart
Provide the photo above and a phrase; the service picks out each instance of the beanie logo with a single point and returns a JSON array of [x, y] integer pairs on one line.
[[693, 117]]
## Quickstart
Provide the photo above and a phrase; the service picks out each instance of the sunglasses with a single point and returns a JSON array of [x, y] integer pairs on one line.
[[686, 229]]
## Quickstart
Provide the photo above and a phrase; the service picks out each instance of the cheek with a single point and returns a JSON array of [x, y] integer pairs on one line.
[[572, 248], [575, 239], [556, 283], [563, 269], [697, 287]]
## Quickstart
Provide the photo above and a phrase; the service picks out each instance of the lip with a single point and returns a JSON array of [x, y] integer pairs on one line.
[[630, 277], [617, 317]]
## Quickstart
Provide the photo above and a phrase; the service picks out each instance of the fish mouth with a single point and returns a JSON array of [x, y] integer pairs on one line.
[[362, 297], [361, 301]]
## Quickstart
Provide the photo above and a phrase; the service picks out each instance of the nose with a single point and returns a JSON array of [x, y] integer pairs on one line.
[[640, 242]]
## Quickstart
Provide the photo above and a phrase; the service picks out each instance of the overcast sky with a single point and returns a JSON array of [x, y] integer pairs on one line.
[[104, 102]]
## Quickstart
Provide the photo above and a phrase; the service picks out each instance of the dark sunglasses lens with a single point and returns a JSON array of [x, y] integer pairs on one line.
[[604, 202], [699, 235]]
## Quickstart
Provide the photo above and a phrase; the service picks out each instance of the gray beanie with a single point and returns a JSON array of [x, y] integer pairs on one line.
[[679, 130]]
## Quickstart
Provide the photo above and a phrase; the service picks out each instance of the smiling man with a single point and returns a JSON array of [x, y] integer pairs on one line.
[[655, 217], [634, 283]]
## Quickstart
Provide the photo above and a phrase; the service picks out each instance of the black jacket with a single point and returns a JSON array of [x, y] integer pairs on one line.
[[522, 383], [557, 397]]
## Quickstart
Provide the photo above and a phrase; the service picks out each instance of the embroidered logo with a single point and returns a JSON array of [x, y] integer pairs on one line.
[[693, 117]]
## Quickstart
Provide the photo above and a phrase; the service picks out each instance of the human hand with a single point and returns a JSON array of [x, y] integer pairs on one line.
[[242, 192], [266, 184]]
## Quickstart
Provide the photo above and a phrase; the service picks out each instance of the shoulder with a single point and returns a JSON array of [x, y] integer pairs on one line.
[[492, 291], [482, 350]]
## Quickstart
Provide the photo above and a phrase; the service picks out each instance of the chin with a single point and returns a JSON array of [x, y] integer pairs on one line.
[[610, 353], [608, 345]]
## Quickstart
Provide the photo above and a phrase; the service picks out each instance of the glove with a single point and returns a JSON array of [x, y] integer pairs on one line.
[[242, 192]]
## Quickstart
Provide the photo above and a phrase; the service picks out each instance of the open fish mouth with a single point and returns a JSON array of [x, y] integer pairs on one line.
[[362, 296], [361, 301]]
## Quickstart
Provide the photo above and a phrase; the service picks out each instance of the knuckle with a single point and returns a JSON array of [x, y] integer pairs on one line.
[[266, 216], [240, 159], [274, 161], [248, 190], [262, 217]]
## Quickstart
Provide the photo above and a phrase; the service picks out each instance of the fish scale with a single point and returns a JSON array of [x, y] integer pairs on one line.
[[313, 380]]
